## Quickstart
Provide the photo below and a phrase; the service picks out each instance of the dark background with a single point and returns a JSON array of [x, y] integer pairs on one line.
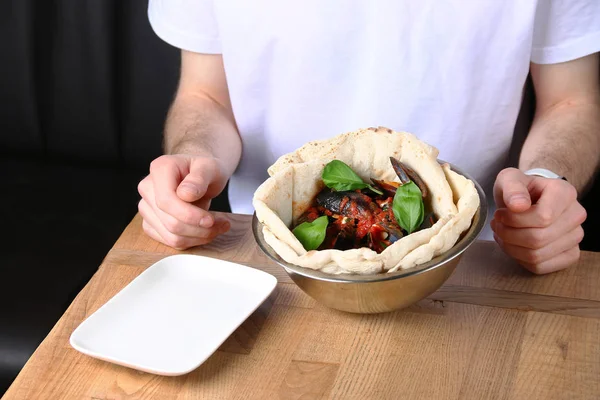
[[84, 90]]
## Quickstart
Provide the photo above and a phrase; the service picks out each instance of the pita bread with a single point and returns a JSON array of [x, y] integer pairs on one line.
[[295, 180]]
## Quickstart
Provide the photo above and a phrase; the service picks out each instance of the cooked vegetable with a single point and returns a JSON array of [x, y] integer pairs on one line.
[[408, 207], [339, 176], [312, 234]]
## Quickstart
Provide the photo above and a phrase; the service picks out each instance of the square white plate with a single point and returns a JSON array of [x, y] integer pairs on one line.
[[174, 315]]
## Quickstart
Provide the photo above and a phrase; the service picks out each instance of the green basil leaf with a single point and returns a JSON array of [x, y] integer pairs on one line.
[[312, 234], [408, 207], [339, 176]]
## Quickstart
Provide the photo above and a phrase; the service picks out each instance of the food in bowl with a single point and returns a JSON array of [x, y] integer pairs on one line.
[[327, 205], [349, 213]]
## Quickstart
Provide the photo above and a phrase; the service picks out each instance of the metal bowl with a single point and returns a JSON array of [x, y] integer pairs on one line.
[[376, 293]]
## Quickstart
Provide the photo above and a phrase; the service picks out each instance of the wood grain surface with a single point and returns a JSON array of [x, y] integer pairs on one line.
[[493, 331]]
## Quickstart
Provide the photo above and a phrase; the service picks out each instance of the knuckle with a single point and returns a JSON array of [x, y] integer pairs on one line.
[[173, 225], [507, 172], [159, 162], [546, 216], [555, 184], [155, 164], [537, 238], [190, 218], [210, 166], [533, 257], [579, 234], [570, 191], [504, 174], [507, 219], [142, 186], [581, 215], [177, 242], [499, 229], [216, 165], [161, 202]]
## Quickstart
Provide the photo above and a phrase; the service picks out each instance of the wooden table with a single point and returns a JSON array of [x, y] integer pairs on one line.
[[493, 331]]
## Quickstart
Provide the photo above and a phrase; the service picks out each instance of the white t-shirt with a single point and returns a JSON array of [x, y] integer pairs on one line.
[[452, 72]]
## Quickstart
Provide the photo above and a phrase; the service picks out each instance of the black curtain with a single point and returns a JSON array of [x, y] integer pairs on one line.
[[85, 86], [83, 81]]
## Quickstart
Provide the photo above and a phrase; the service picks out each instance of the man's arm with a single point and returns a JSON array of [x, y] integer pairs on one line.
[[538, 220], [565, 135], [200, 120], [202, 147]]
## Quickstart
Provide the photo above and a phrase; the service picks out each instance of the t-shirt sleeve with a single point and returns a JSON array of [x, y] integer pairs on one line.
[[565, 30], [186, 24]]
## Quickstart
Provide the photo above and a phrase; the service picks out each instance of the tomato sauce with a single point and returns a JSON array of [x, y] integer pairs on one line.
[[358, 221]]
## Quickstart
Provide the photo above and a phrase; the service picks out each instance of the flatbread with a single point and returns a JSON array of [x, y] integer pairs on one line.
[[295, 180]]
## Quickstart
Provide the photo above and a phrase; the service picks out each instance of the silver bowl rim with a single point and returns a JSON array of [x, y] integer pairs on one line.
[[477, 224]]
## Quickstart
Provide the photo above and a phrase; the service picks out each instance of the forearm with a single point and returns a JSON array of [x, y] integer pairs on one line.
[[198, 125], [565, 139]]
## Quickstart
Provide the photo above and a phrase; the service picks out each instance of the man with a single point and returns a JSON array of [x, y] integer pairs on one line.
[[261, 78]]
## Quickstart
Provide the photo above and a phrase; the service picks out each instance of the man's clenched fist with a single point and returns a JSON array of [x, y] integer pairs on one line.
[[538, 220], [176, 197]]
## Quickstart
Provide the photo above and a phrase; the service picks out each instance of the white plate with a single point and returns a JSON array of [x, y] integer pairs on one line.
[[174, 315]]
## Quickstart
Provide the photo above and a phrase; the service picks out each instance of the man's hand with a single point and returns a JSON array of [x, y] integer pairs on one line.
[[176, 197], [538, 221]]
